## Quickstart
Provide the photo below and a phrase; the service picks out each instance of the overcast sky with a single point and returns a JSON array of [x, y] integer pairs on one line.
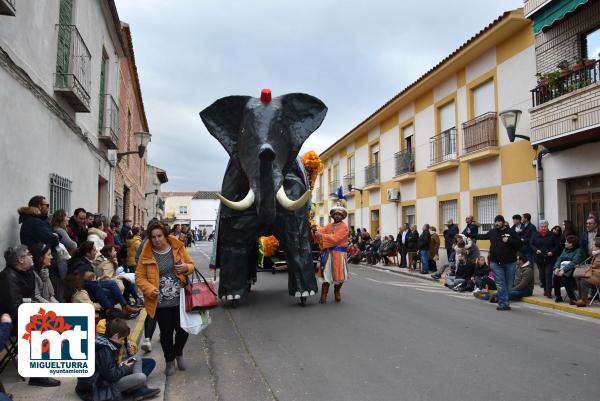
[[354, 55]]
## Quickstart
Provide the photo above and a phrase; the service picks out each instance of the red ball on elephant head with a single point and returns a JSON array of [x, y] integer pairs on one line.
[[265, 96]]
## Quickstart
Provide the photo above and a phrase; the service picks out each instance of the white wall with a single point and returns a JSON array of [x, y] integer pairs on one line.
[[483, 64], [388, 146], [424, 129], [361, 160], [34, 141], [427, 211], [408, 190], [447, 182], [518, 199], [516, 76], [485, 173], [389, 219], [204, 212]]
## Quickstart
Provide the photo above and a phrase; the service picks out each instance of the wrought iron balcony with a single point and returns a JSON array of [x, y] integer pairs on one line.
[[372, 174], [348, 181], [73, 69], [554, 86], [442, 147], [480, 133], [108, 130], [7, 7], [405, 162], [333, 186]]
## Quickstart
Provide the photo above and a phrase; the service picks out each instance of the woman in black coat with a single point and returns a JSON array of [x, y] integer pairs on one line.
[[546, 248], [412, 239]]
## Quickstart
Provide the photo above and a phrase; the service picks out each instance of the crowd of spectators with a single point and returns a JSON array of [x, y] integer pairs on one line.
[[516, 249], [82, 258]]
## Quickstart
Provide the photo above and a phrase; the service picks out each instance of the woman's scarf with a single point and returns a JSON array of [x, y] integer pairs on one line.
[[46, 289]]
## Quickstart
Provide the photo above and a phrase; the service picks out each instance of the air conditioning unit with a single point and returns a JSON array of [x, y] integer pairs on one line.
[[393, 195]]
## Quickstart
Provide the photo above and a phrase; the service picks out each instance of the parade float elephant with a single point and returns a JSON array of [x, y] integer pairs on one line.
[[265, 190]]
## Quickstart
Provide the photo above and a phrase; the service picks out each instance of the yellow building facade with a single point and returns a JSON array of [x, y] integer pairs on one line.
[[437, 150]]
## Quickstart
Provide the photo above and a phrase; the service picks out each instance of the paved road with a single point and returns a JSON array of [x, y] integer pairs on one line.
[[391, 338]]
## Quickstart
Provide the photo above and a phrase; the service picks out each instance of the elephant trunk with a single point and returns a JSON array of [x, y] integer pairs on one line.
[[266, 192]]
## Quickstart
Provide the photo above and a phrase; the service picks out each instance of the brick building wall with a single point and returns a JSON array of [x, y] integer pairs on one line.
[[130, 177], [563, 41]]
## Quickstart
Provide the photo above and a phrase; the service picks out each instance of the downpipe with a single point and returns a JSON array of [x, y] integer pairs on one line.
[[539, 175]]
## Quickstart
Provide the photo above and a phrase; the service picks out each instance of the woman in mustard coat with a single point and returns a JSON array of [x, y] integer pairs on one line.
[[161, 273]]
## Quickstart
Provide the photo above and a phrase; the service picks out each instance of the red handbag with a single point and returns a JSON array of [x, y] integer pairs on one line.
[[200, 295]]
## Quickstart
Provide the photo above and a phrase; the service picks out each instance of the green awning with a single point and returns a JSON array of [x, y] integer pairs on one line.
[[555, 12]]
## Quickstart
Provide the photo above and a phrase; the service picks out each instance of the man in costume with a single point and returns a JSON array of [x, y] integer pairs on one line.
[[333, 240]]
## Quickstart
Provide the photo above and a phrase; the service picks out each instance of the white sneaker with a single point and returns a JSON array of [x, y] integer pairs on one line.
[[146, 345], [476, 290]]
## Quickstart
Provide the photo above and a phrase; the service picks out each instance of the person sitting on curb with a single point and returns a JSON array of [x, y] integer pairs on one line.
[[464, 272], [130, 347], [483, 278], [111, 377], [523, 284]]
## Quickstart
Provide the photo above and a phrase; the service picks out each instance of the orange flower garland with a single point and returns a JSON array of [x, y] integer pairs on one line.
[[313, 164], [269, 245]]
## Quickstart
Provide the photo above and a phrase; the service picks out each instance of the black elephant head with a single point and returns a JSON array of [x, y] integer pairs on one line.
[[264, 137]]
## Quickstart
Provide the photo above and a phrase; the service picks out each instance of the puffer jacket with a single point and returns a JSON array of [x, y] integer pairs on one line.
[[132, 246], [97, 236], [147, 274], [412, 238], [35, 228], [103, 383]]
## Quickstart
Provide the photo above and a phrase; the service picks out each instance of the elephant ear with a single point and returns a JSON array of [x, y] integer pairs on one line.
[[302, 114], [223, 119]]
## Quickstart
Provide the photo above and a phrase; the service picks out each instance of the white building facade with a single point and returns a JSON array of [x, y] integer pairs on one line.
[[205, 206], [59, 66]]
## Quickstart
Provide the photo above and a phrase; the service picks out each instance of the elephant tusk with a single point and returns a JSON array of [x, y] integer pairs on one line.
[[242, 205], [289, 204]]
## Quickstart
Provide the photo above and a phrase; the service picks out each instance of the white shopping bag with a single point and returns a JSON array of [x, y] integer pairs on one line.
[[192, 322]]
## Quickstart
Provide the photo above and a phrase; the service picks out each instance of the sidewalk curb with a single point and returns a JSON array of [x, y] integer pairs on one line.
[[530, 300], [136, 333], [563, 308]]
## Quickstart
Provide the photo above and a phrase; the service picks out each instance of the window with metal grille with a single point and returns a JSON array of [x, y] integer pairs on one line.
[[351, 220], [60, 193], [408, 212], [448, 210], [486, 209]]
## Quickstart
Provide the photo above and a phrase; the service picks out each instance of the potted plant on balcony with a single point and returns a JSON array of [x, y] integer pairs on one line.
[[563, 66], [577, 64], [542, 79]]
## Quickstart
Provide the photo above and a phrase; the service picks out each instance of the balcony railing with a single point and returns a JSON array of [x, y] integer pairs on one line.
[[556, 87], [73, 68], [333, 186], [442, 147], [372, 174], [7, 7], [480, 133], [405, 162], [109, 123], [348, 181]]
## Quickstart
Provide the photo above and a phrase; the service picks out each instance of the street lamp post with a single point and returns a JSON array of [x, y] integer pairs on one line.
[[360, 190], [143, 140], [510, 119]]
